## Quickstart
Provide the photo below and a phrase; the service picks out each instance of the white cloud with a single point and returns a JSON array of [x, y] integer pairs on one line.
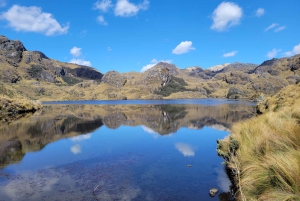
[[296, 50], [280, 29], [109, 49], [126, 9], [75, 51], [76, 149], [271, 26], [80, 62], [260, 12], [153, 63], [230, 54], [183, 47], [271, 54], [226, 15], [185, 149], [32, 19], [103, 5], [101, 20], [2, 3]]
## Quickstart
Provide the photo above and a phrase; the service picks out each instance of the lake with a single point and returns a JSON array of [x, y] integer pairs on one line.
[[118, 150]]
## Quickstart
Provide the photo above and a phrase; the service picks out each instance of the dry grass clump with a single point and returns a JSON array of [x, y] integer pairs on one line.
[[266, 163], [18, 104]]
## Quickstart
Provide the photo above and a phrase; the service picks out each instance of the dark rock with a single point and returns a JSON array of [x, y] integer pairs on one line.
[[11, 49], [88, 72], [265, 66], [234, 93], [15, 79], [213, 192]]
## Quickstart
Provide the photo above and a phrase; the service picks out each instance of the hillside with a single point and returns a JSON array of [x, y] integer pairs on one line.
[[32, 74]]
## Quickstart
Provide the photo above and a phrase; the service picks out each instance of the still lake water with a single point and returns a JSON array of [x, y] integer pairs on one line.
[[118, 150]]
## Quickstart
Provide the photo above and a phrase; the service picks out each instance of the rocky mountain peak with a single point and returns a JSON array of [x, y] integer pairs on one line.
[[11, 50], [114, 78]]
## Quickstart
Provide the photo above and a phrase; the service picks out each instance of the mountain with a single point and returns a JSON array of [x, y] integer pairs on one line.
[[33, 75], [17, 63]]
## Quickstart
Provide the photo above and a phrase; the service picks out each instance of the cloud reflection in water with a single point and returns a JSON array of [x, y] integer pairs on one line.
[[186, 149]]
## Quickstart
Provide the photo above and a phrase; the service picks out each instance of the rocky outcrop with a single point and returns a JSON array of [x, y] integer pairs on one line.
[[199, 72], [158, 73], [114, 78], [235, 93], [237, 78], [11, 50]]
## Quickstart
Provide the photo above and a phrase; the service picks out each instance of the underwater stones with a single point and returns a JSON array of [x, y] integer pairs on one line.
[[213, 192]]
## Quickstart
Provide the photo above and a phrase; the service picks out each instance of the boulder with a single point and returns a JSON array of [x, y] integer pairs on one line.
[[234, 93], [213, 192]]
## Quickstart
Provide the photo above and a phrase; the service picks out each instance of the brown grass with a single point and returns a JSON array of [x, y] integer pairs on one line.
[[267, 162]]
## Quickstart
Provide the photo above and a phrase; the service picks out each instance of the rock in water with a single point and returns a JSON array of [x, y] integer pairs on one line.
[[213, 192]]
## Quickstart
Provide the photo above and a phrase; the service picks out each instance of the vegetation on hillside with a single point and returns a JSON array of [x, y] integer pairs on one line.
[[12, 104], [263, 153], [175, 85]]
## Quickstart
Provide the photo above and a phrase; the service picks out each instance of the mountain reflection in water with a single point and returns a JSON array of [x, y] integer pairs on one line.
[[61, 121], [126, 164]]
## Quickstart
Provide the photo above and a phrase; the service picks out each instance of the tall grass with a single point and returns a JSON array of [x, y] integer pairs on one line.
[[266, 164]]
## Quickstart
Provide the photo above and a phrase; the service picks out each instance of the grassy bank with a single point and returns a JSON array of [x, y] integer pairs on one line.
[[16, 105], [263, 153]]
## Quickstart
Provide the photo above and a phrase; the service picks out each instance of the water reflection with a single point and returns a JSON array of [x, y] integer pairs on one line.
[[117, 152], [61, 121], [186, 149]]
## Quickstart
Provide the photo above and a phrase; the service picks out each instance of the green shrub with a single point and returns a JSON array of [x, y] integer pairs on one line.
[[175, 85], [70, 80]]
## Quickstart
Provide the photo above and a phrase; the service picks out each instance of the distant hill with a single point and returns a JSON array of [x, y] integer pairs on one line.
[[33, 75]]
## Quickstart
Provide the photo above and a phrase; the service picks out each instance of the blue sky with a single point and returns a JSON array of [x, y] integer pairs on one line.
[[131, 35]]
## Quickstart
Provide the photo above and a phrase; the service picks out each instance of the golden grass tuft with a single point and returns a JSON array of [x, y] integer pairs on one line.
[[268, 157]]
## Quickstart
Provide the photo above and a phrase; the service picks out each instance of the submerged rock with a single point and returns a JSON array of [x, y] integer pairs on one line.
[[213, 192]]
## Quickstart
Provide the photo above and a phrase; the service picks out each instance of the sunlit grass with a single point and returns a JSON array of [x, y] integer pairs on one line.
[[268, 156]]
